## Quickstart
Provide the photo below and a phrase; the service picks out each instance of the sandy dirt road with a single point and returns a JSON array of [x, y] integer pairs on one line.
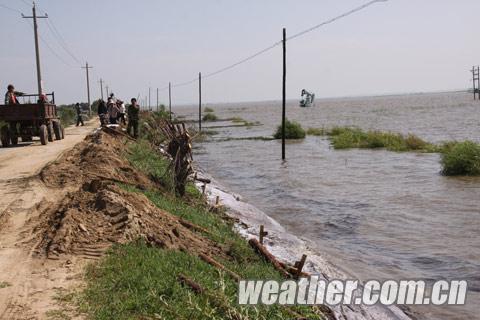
[[28, 284]]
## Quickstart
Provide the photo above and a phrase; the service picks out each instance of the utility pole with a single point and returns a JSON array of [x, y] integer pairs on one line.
[[478, 83], [149, 104], [199, 101], [88, 88], [157, 100], [106, 89], [37, 50], [170, 100], [284, 41], [474, 90], [101, 87]]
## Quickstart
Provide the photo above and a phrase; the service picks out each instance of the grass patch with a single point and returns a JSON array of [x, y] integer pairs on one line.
[[316, 132], [4, 284], [293, 130], [458, 158], [209, 117], [135, 281], [237, 120], [462, 158], [346, 138], [147, 160], [257, 138]]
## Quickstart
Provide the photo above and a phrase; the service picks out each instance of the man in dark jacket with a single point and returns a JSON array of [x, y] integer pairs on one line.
[[133, 111], [78, 109], [102, 113]]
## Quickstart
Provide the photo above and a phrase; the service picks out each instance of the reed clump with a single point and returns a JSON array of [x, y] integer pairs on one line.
[[207, 109], [458, 158], [347, 138], [293, 130], [209, 117], [462, 158]]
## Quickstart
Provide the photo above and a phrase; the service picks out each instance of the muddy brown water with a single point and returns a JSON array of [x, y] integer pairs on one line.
[[375, 214]]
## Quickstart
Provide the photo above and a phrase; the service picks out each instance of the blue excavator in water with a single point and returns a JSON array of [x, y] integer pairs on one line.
[[307, 99]]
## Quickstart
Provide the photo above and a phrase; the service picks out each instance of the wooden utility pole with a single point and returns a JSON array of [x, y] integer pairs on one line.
[[170, 100], [199, 101], [88, 88], [478, 81], [149, 101], [37, 49], [157, 100], [474, 79], [284, 41], [101, 88]]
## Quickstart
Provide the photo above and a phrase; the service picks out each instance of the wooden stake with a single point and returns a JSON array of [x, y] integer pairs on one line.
[[299, 265], [268, 256], [262, 234], [219, 266]]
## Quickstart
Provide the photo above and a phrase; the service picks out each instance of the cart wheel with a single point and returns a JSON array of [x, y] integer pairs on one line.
[[43, 134], [57, 130], [13, 138], [50, 132], [5, 135]]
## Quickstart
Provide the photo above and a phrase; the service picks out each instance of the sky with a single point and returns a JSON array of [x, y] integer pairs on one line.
[[397, 46]]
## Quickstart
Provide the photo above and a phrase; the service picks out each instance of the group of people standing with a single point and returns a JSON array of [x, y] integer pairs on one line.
[[114, 112]]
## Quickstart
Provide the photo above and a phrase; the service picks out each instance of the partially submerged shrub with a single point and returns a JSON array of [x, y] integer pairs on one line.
[[209, 117], [207, 109], [462, 159], [293, 130]]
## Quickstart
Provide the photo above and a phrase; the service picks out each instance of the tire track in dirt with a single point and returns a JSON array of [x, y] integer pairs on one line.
[[28, 285]]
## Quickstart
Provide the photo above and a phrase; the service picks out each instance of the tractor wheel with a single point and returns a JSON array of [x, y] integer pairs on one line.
[[57, 130], [5, 135], [13, 138], [62, 129], [50, 132], [43, 134]]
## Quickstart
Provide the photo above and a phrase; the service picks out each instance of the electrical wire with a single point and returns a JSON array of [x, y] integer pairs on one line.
[[60, 39], [9, 8], [50, 48], [299, 34], [364, 6]]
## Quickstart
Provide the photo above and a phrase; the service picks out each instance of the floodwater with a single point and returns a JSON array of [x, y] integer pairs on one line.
[[375, 214]]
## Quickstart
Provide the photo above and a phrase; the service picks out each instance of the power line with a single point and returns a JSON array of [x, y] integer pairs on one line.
[[301, 33], [26, 3], [61, 40], [364, 6], [51, 49], [57, 35], [9, 8]]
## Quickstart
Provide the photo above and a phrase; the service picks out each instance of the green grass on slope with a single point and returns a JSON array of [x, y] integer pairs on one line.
[[135, 281]]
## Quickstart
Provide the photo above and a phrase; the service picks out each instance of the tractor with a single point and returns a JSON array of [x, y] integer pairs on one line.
[[28, 120]]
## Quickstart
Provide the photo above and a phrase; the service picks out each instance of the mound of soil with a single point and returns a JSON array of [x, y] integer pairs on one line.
[[97, 212]]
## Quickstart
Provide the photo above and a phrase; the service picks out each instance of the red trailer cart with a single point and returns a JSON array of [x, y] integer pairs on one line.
[[30, 119]]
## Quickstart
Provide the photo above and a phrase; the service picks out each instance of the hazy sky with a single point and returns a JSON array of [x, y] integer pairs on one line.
[[390, 47]]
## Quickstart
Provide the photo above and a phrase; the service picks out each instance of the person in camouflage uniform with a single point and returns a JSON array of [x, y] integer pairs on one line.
[[133, 111]]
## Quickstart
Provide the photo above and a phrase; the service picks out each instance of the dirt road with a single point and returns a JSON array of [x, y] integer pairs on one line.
[[28, 285]]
